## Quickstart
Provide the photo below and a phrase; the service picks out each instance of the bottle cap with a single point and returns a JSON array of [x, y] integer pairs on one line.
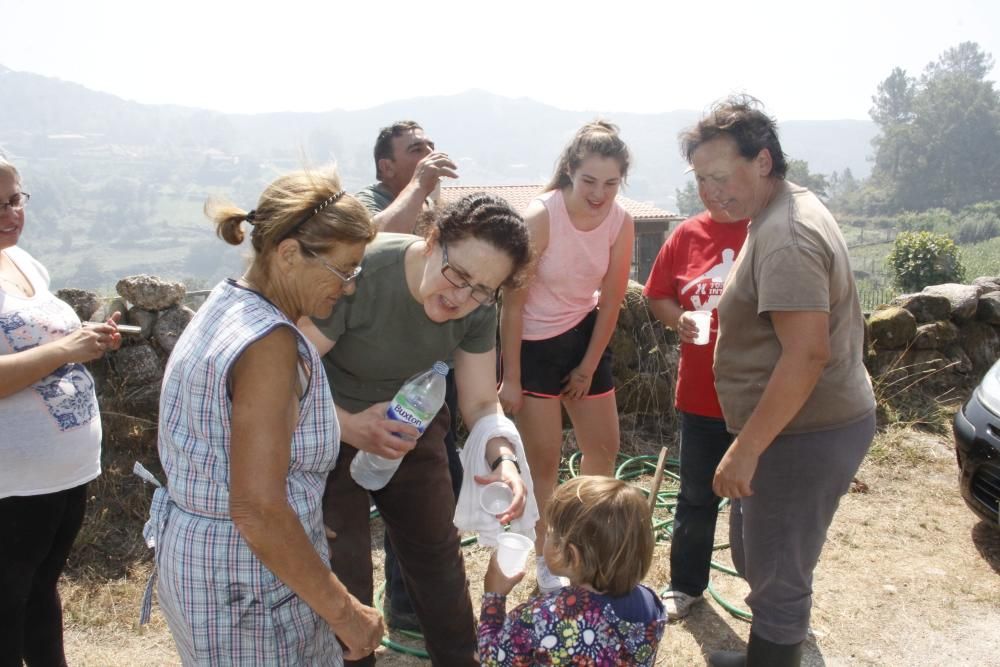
[[440, 368]]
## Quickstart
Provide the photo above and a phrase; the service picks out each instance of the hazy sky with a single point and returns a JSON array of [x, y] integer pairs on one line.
[[805, 60]]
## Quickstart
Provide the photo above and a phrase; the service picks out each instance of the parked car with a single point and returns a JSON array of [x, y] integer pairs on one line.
[[977, 446]]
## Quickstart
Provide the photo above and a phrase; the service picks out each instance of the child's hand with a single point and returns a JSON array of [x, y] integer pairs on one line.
[[496, 581]]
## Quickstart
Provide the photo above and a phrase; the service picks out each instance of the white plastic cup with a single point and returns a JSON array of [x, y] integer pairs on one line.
[[512, 553], [703, 320], [495, 498]]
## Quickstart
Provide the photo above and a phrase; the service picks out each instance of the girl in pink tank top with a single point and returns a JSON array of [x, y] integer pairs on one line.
[[555, 331]]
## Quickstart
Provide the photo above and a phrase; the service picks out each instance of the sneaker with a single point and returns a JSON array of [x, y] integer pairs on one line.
[[547, 582], [678, 604]]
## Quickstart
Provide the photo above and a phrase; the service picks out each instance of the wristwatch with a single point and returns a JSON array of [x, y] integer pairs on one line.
[[505, 457]]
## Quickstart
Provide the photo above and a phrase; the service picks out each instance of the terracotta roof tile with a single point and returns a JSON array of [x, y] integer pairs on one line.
[[519, 196]]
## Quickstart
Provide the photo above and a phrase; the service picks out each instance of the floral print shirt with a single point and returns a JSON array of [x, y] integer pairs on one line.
[[569, 627]]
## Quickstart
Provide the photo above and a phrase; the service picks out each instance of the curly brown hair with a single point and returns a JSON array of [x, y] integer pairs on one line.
[[488, 218]]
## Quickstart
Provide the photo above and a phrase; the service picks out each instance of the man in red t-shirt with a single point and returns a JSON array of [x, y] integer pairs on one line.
[[688, 275]]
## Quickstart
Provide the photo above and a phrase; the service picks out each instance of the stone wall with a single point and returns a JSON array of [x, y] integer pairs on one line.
[[945, 336], [128, 380]]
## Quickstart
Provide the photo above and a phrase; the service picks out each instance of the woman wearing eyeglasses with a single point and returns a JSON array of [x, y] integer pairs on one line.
[[420, 300], [50, 442], [555, 332], [247, 436]]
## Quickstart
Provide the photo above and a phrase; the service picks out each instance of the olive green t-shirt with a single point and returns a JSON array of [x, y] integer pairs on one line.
[[382, 335], [375, 197], [794, 259]]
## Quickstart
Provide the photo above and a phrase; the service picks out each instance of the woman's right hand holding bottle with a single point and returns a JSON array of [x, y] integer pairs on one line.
[[372, 431]]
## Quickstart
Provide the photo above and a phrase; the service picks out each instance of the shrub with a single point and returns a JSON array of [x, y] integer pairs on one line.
[[976, 228], [919, 259]]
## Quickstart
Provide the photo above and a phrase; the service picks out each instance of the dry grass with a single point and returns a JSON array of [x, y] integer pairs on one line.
[[908, 576]]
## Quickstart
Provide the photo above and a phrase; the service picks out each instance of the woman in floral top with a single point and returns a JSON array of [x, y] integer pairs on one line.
[[600, 538]]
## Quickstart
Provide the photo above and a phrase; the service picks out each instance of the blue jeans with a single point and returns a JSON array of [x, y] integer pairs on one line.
[[704, 441]]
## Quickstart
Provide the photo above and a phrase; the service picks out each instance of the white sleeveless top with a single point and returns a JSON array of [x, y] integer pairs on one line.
[[50, 431]]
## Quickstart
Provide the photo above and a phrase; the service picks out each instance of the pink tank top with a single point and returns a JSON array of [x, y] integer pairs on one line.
[[568, 279]]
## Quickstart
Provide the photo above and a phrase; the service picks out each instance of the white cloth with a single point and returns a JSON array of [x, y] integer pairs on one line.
[[50, 431], [469, 516]]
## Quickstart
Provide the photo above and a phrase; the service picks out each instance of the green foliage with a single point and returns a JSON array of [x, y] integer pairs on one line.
[[979, 222], [939, 142], [919, 259], [982, 259], [974, 229], [798, 173], [937, 220], [688, 201]]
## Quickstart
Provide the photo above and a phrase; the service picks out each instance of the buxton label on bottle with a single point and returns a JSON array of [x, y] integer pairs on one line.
[[400, 411]]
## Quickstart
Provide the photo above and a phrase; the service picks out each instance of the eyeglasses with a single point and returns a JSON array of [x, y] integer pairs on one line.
[[346, 278], [15, 203], [482, 294]]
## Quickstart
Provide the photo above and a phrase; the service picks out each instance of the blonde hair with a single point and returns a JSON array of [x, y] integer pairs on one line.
[[309, 206], [595, 138], [608, 523]]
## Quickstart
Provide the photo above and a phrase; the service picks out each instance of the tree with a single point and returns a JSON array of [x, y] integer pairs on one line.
[[688, 200], [893, 100], [939, 140], [798, 173], [919, 259]]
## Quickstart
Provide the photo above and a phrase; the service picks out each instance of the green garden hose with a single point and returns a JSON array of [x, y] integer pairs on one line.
[[630, 468]]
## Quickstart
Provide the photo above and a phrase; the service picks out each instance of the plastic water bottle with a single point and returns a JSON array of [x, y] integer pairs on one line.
[[417, 402]]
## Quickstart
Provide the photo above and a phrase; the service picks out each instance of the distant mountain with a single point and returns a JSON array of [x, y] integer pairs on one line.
[[127, 180]]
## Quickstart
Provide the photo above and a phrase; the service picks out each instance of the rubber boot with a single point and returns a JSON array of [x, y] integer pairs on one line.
[[760, 653], [727, 659]]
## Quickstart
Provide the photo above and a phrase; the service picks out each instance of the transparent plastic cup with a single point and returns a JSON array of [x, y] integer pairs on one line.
[[703, 320], [512, 553], [495, 498]]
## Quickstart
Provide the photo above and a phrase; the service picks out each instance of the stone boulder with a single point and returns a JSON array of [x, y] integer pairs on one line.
[[83, 303], [964, 298], [989, 308], [935, 335], [109, 308], [896, 371], [892, 328], [169, 325], [138, 372], [142, 318], [988, 283], [961, 363], [925, 307], [982, 343], [149, 292]]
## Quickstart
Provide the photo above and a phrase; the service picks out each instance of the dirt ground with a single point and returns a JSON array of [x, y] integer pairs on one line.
[[909, 576]]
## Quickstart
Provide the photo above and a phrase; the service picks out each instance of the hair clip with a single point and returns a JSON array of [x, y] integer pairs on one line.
[[330, 200]]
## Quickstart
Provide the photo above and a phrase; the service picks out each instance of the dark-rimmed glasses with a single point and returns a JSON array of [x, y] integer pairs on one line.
[[346, 278], [15, 203], [481, 294]]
